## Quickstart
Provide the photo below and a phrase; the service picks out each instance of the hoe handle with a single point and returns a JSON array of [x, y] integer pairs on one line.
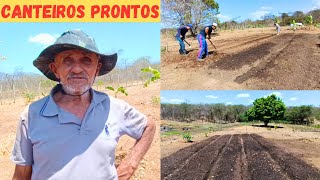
[[212, 44], [186, 42]]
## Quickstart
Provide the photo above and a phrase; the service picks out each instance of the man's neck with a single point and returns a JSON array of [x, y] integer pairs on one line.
[[77, 105], [62, 98]]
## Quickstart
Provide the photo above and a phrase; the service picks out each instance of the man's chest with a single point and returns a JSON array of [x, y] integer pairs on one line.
[[63, 137]]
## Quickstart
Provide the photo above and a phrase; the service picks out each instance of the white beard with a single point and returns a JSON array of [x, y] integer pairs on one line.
[[75, 91]]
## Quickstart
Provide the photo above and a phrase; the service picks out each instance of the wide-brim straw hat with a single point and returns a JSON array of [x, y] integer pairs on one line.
[[73, 39]]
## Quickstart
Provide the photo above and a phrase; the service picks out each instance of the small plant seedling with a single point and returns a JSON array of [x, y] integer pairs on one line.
[[119, 89], [155, 100], [187, 137], [206, 134], [156, 75]]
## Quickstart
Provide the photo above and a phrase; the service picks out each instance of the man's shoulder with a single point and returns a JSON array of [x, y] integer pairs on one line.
[[117, 101], [39, 103], [31, 107], [102, 96]]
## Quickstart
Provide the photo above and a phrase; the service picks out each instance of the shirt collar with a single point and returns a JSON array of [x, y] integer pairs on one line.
[[50, 108]]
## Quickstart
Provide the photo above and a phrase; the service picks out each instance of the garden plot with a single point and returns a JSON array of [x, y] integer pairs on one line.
[[247, 59]]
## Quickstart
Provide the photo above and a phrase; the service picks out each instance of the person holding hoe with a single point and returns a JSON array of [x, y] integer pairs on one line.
[[181, 35], [277, 28], [203, 46]]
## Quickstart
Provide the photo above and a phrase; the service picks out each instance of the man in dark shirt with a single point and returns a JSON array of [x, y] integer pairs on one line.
[[203, 46], [181, 35]]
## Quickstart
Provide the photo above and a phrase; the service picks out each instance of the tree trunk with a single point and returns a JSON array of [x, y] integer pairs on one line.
[[266, 123]]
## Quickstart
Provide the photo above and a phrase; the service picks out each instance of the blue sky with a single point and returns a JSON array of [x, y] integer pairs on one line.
[[233, 97], [254, 9], [21, 43]]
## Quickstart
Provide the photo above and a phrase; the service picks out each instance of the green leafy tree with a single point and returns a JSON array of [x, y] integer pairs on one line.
[[249, 115], [298, 16], [267, 109], [308, 20], [315, 15], [299, 115], [316, 113]]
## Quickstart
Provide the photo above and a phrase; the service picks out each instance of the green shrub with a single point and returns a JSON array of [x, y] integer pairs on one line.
[[187, 137], [317, 126]]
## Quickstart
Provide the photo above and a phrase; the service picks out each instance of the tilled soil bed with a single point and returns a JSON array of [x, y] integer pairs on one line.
[[245, 156], [257, 60]]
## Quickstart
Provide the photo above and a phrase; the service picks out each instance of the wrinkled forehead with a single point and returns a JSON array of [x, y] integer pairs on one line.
[[77, 53]]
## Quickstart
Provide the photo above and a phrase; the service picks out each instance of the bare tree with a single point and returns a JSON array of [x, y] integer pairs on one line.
[[196, 12]]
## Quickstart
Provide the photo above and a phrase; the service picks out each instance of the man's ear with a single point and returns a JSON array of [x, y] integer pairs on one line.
[[53, 68], [98, 68]]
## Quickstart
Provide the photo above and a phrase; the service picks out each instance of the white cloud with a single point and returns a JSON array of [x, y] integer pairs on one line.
[[224, 17], [173, 101], [212, 97], [228, 103], [262, 11], [243, 95], [293, 99], [266, 8], [43, 38], [259, 13]]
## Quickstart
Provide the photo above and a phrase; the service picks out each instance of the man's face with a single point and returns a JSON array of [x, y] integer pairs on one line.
[[76, 70], [213, 27]]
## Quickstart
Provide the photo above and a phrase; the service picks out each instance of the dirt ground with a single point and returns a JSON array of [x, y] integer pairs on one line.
[[139, 97], [277, 146], [246, 59], [245, 156]]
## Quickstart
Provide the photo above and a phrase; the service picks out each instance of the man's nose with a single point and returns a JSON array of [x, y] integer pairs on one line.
[[77, 68]]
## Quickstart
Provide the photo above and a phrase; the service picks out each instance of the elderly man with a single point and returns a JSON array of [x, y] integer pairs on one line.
[[73, 132], [203, 46]]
